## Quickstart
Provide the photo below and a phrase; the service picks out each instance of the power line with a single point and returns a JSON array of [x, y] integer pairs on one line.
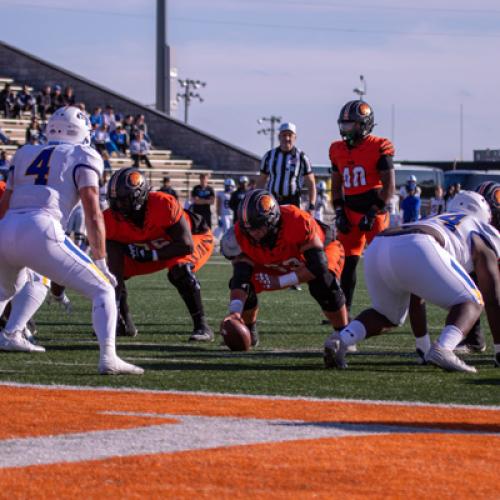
[[305, 27]]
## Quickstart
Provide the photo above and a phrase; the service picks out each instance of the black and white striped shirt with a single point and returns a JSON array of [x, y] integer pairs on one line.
[[285, 170]]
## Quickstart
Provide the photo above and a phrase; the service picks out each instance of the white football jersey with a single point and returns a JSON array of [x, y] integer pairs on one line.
[[43, 177], [457, 230], [223, 199]]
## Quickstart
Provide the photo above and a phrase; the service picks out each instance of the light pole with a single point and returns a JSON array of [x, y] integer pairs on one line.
[[361, 90], [188, 95], [271, 130]]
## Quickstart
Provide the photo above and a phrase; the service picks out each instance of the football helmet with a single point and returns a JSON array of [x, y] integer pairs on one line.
[[229, 184], [243, 179], [70, 125], [127, 191], [491, 192], [321, 186], [356, 121], [260, 209], [471, 203]]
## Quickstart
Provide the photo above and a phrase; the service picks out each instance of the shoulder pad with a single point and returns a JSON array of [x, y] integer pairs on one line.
[[229, 246], [89, 156], [490, 236]]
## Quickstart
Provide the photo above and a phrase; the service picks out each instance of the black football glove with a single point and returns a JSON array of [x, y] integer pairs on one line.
[[141, 254], [341, 220], [367, 221]]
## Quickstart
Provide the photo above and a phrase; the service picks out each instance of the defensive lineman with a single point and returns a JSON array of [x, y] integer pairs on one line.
[[45, 184]]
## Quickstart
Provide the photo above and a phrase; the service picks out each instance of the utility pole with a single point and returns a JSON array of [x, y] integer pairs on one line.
[[271, 130], [162, 59], [188, 95], [361, 90], [461, 132]]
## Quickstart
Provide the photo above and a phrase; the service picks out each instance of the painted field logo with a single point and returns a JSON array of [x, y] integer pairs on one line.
[[67, 441]]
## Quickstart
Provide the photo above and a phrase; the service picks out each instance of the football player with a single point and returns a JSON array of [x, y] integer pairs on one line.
[[224, 212], [149, 231], [45, 184], [362, 185], [273, 247], [442, 251]]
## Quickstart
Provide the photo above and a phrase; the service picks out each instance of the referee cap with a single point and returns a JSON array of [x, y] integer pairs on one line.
[[288, 126]]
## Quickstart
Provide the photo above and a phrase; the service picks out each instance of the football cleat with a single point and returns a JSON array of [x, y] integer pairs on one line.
[[204, 334], [335, 352], [463, 348], [497, 360], [254, 334], [16, 341], [117, 366], [125, 326], [421, 357], [446, 359]]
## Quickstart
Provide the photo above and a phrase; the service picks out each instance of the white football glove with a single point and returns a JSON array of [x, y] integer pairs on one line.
[[103, 267]]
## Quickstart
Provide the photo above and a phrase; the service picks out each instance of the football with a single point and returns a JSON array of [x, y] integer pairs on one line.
[[235, 334]]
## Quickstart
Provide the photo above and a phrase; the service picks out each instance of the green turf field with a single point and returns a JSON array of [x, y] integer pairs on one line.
[[287, 362]]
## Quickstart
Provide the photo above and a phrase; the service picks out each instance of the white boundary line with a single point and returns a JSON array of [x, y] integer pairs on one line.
[[249, 396]]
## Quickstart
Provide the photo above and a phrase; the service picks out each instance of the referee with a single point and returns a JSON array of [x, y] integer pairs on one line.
[[285, 168]]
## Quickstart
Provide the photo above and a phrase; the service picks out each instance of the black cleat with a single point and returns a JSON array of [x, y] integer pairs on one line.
[[125, 326], [497, 360]]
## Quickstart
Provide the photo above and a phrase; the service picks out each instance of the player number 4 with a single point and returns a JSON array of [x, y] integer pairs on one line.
[[40, 167]]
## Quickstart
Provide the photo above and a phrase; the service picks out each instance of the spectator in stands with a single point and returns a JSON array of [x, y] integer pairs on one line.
[[167, 188], [458, 187], [139, 150], [238, 195], [437, 202], [96, 117], [109, 118], [411, 204], [68, 97], [3, 137], [57, 98], [141, 126], [4, 165], [34, 132], [7, 101], [44, 102], [128, 126], [120, 139], [80, 106], [100, 138], [252, 184], [25, 101], [203, 196]]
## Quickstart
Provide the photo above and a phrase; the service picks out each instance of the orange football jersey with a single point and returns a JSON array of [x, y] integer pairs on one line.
[[3, 187], [297, 228], [162, 211], [358, 166]]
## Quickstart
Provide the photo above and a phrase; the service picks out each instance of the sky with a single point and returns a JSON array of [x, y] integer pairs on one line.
[[423, 61]]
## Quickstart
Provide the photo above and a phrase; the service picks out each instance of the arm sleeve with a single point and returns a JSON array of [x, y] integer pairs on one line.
[[385, 163]]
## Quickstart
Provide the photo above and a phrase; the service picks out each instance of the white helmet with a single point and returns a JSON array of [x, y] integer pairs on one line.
[[69, 124], [229, 183], [321, 186], [471, 203]]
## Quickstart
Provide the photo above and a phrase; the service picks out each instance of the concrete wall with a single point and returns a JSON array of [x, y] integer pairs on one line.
[[204, 149]]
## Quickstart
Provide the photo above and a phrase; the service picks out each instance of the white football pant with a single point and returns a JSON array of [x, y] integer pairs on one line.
[[398, 266], [37, 241]]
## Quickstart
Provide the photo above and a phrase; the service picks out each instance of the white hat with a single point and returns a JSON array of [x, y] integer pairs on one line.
[[412, 178], [288, 126]]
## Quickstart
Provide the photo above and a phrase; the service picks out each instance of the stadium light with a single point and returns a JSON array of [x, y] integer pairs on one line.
[[361, 91], [271, 130], [188, 95]]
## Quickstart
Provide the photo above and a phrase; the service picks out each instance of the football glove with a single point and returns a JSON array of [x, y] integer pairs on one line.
[[141, 254], [341, 220], [367, 221]]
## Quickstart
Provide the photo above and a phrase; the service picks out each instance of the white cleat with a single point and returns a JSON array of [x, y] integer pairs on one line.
[[446, 359], [16, 341], [117, 366], [28, 335], [334, 352]]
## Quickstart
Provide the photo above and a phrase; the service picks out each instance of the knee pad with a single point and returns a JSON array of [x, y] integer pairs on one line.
[[327, 292], [183, 278]]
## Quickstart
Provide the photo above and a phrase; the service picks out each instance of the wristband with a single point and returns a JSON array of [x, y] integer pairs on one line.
[[338, 203], [235, 306], [311, 206], [287, 280]]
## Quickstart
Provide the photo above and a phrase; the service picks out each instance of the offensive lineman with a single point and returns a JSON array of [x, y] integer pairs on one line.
[[149, 231], [362, 186], [442, 250], [273, 247], [45, 184]]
